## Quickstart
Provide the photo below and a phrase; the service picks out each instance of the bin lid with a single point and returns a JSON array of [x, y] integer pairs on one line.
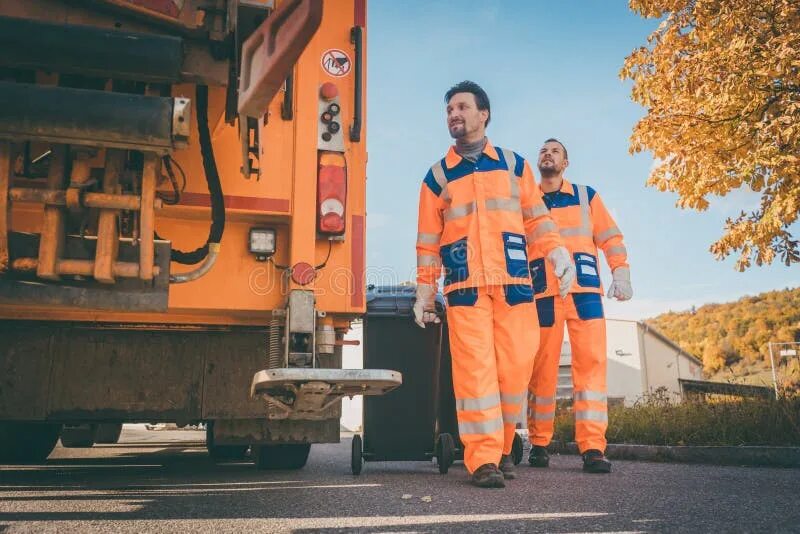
[[395, 300]]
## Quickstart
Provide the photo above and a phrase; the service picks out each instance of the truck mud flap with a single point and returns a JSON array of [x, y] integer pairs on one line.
[[295, 393]]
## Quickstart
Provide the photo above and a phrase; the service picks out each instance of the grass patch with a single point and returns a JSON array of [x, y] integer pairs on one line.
[[655, 420]]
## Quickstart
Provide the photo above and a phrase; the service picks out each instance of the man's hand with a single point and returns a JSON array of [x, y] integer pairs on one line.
[[564, 269], [621, 288], [425, 306]]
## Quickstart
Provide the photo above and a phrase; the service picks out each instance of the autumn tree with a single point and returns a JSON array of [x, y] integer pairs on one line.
[[720, 80]]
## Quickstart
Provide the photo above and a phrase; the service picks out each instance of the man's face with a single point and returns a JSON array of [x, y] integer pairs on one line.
[[551, 159], [463, 116]]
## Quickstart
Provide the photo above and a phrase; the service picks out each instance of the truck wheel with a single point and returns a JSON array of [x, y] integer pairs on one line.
[[27, 442], [356, 455], [445, 452], [281, 456], [221, 453], [78, 436], [108, 433]]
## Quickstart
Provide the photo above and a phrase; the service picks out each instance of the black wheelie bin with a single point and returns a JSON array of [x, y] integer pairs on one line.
[[417, 421]]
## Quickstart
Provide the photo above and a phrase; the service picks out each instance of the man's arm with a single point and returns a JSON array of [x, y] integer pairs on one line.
[[608, 237], [430, 224], [541, 232]]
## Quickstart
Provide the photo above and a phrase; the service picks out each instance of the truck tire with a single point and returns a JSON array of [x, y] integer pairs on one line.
[[108, 433], [78, 436], [221, 453], [283, 456], [27, 442]]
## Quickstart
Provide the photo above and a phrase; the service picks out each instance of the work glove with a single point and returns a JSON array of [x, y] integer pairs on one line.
[[564, 269], [621, 286], [425, 306]]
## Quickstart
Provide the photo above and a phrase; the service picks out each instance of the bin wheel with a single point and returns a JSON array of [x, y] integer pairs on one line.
[[445, 452], [356, 455], [516, 449]]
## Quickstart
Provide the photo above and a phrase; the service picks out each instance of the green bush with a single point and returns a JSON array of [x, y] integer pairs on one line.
[[655, 420]]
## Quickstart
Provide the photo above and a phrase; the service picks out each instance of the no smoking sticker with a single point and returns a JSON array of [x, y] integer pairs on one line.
[[336, 62]]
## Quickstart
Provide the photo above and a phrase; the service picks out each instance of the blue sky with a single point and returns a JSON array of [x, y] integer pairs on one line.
[[551, 70]]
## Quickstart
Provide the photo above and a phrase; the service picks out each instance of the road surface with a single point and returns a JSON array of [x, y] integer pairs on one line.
[[163, 481]]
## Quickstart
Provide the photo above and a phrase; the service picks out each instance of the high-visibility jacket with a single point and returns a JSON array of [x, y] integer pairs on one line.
[[481, 221], [585, 224]]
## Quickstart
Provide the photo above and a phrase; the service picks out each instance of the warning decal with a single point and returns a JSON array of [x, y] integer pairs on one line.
[[336, 62]]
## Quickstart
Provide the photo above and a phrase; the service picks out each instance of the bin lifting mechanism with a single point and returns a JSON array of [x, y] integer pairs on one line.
[[295, 393]]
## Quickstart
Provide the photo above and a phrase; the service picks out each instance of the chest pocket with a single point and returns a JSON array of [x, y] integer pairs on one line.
[[586, 265], [516, 255]]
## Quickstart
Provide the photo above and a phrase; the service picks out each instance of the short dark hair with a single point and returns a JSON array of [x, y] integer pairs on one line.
[[481, 98], [554, 140]]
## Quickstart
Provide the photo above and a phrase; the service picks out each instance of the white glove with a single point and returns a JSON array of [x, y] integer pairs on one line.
[[425, 306], [564, 269], [621, 286]]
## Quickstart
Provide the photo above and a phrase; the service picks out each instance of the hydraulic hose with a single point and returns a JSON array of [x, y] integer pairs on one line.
[[214, 189]]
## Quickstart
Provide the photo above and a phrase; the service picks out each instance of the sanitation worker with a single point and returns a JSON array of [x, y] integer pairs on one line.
[[481, 217], [585, 225]]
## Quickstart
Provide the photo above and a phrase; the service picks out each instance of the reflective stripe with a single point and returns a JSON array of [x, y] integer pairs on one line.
[[602, 237], [438, 174], [426, 260], [503, 204], [531, 212], [480, 427], [543, 228], [511, 162], [461, 210], [480, 403], [541, 401], [543, 416], [583, 198], [575, 231], [591, 415], [428, 239], [590, 396], [619, 249], [507, 398]]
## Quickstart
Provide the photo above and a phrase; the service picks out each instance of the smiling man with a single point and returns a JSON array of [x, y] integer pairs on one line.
[[585, 225], [481, 217]]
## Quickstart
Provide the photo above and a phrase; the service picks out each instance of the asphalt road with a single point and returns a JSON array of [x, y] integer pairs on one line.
[[164, 482]]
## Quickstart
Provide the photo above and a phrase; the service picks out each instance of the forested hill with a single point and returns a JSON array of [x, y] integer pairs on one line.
[[732, 338]]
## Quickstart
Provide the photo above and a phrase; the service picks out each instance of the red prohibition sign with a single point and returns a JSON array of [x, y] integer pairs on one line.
[[336, 62]]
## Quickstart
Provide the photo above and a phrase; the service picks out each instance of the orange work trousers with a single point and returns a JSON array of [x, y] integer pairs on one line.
[[583, 313], [492, 348]]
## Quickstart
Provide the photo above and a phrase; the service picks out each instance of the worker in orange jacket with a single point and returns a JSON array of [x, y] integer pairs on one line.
[[585, 225], [481, 217]]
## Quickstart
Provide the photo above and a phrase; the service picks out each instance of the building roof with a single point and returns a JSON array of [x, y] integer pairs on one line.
[[649, 329]]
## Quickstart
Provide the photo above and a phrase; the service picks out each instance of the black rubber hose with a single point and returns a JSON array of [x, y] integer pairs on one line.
[[212, 179]]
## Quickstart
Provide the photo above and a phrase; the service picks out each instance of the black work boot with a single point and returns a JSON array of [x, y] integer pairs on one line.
[[595, 462], [538, 456], [507, 467], [488, 476]]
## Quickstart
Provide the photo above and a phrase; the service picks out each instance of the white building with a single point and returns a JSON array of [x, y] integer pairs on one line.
[[640, 360]]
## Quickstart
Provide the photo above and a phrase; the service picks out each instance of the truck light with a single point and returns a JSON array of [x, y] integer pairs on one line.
[[331, 193], [303, 273], [262, 242], [328, 91]]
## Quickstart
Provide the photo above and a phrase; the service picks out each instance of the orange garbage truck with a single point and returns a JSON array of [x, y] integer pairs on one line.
[[182, 221]]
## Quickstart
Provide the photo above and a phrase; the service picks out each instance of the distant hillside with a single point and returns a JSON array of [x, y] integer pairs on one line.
[[732, 338]]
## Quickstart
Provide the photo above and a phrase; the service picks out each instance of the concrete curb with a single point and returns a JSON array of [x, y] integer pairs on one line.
[[745, 455]]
